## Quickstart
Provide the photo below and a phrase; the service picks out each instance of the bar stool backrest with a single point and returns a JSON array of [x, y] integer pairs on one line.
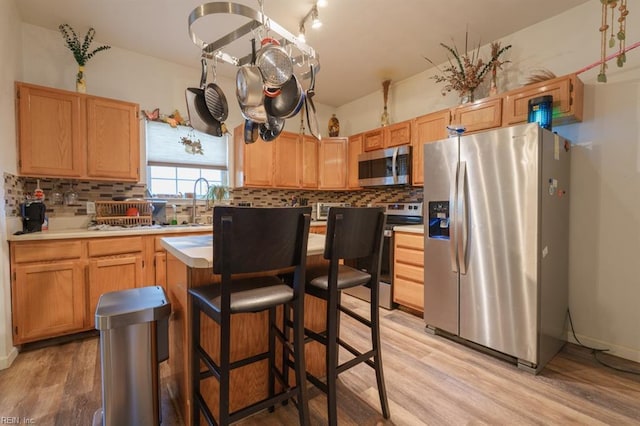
[[259, 239], [355, 233]]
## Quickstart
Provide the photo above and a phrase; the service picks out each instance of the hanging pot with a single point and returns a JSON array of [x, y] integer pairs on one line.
[[270, 130], [288, 103], [274, 63], [250, 131], [249, 91], [199, 115]]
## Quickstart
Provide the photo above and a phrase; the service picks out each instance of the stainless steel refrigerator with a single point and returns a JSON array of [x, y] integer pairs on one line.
[[496, 208]]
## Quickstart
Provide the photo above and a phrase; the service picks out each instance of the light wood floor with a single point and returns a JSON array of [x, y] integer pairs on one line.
[[430, 381]]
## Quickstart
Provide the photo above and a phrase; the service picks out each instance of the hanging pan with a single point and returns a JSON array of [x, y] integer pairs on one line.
[[312, 119], [288, 103], [199, 115], [216, 100]]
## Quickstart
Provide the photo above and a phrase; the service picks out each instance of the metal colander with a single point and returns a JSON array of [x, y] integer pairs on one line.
[[274, 63]]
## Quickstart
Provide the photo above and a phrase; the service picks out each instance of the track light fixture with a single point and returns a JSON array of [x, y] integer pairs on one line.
[[313, 16], [315, 20]]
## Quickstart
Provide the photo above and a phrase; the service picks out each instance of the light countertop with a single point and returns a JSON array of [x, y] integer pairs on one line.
[[415, 229], [64, 234], [196, 251], [84, 233]]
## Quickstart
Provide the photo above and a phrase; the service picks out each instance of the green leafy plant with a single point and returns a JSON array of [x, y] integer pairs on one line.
[[218, 192], [80, 50]]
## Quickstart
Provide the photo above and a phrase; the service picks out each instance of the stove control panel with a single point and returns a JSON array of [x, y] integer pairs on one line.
[[401, 209]]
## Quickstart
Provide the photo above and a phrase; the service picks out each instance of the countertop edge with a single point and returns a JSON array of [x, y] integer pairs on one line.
[[414, 229], [196, 251]]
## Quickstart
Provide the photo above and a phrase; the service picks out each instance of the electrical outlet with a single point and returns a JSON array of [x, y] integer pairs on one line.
[[91, 207]]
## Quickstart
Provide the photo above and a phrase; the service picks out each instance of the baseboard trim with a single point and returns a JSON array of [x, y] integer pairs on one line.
[[630, 354], [6, 361]]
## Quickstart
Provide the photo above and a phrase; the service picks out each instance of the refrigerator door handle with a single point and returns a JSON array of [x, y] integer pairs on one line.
[[453, 218], [461, 216]]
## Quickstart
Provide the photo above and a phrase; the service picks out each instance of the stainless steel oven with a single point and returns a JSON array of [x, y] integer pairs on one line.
[[397, 214]]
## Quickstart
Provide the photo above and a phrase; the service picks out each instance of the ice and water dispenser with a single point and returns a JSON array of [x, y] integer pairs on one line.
[[439, 220]]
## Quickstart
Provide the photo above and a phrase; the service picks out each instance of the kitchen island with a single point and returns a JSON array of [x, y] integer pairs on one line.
[[190, 264]]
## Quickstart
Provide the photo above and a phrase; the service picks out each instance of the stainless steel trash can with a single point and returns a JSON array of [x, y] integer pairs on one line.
[[134, 339]]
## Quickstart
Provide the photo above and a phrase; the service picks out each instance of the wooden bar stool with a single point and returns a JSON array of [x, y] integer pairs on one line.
[[254, 241], [352, 233]]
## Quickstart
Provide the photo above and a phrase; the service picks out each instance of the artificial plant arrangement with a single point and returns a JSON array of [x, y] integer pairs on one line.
[[465, 71], [191, 144], [80, 51], [217, 193]]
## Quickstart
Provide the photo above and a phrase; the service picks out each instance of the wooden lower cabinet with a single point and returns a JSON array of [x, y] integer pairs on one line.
[[408, 270], [56, 284], [318, 229], [113, 274], [48, 299]]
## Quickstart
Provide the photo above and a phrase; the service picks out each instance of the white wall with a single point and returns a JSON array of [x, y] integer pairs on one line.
[[604, 287], [605, 236], [9, 72]]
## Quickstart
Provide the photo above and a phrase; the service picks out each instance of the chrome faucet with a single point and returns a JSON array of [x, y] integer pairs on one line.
[[195, 197]]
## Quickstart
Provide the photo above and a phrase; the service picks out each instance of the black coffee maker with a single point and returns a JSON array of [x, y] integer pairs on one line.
[[33, 215]]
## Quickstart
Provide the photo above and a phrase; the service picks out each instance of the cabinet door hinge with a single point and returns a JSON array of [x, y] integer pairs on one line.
[[154, 263], [18, 93], [14, 276], [15, 331], [143, 263]]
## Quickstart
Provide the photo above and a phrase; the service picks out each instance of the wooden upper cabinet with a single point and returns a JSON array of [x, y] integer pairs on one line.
[[113, 142], [426, 128], [50, 132], [386, 137], [567, 92], [253, 161], [309, 162], [288, 160], [480, 115], [355, 149], [373, 140], [67, 134], [397, 134], [332, 163]]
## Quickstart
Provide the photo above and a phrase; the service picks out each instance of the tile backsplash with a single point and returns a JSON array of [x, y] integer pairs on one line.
[[17, 188]]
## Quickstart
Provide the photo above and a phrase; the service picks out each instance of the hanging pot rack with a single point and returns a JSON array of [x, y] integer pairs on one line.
[[258, 20]]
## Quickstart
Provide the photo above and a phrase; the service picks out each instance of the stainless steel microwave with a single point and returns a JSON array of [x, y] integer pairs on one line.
[[390, 166]]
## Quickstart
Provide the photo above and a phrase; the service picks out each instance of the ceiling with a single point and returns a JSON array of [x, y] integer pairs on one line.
[[361, 42]]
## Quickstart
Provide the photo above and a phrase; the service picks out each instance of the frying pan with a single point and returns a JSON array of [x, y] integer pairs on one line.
[[288, 103], [216, 100], [199, 115], [312, 119]]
